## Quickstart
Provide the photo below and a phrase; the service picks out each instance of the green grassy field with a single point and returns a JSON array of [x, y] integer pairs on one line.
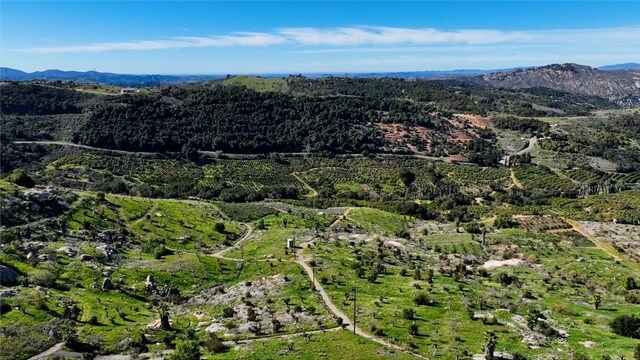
[[426, 286], [257, 83]]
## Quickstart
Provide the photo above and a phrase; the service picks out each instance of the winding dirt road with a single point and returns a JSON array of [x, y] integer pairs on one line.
[[242, 240], [300, 260]]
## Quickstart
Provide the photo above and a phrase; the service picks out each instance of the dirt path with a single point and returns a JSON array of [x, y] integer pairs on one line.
[[312, 191], [65, 143], [342, 216], [216, 153], [52, 350], [242, 240], [602, 245], [515, 180], [532, 143], [345, 319]]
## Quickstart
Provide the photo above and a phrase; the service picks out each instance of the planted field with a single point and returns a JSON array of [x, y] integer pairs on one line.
[[245, 212], [137, 168], [537, 177], [542, 223], [249, 174], [471, 177], [586, 176], [622, 206]]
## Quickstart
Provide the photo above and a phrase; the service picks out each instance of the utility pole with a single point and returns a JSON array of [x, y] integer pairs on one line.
[[313, 275], [355, 307]]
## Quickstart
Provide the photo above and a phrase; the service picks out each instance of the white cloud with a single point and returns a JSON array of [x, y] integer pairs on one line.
[[373, 37], [235, 39]]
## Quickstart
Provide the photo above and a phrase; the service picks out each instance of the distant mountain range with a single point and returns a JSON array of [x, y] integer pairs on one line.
[[621, 86], [102, 77], [151, 80], [620, 82], [625, 66]]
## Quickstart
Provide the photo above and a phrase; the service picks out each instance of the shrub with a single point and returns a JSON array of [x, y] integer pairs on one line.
[[160, 251], [632, 297], [213, 344], [408, 314], [186, 350], [506, 279], [422, 299], [228, 312], [42, 277], [580, 356], [414, 330], [473, 228], [504, 221], [20, 178], [626, 325]]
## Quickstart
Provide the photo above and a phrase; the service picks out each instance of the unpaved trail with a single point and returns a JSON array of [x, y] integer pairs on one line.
[[216, 153], [342, 216], [312, 191], [532, 143], [52, 350], [242, 240], [515, 180], [300, 260], [66, 143]]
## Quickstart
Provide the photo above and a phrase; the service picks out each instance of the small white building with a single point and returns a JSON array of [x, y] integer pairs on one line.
[[129, 91], [290, 244]]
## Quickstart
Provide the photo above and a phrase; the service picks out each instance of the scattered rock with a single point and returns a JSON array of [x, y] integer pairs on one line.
[[587, 344], [107, 284], [216, 328], [8, 276], [497, 263], [7, 293], [520, 320], [68, 251], [534, 340], [482, 316], [393, 244], [157, 325], [86, 257]]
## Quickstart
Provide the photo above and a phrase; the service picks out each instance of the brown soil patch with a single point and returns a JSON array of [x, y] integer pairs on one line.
[[476, 120]]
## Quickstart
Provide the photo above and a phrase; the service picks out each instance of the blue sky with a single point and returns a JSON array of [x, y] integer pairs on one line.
[[213, 37]]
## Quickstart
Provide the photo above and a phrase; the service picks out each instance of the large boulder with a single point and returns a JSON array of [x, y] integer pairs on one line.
[[68, 251], [8, 276]]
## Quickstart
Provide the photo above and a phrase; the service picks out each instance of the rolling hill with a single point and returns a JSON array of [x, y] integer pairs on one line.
[[621, 86]]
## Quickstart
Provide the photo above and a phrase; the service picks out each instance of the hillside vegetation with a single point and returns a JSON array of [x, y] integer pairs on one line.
[[334, 218]]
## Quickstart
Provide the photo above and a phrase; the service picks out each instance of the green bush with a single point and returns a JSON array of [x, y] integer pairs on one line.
[[504, 221], [186, 350], [422, 299], [213, 344], [19, 177], [626, 325], [42, 277]]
